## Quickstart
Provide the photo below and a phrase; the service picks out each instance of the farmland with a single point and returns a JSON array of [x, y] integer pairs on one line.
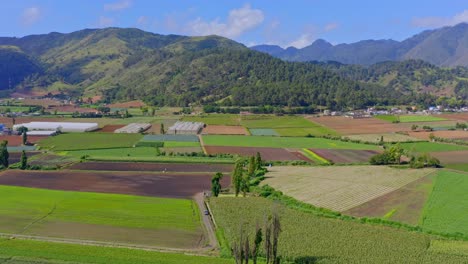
[[345, 155], [445, 210], [431, 147], [340, 188], [455, 134], [327, 240], [103, 217], [215, 119], [386, 137], [410, 118], [451, 157], [350, 126], [81, 141], [38, 252], [268, 154], [139, 166], [224, 130], [281, 142], [161, 184]]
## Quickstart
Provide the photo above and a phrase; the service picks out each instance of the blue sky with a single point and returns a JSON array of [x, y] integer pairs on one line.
[[285, 23]]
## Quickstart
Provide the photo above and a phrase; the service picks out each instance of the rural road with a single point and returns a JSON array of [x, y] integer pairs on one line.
[[207, 222]]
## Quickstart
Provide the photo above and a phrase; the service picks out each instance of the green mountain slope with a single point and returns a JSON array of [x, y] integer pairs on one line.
[[15, 66]]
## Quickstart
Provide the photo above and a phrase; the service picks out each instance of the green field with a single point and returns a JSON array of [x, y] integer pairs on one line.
[[111, 217], [215, 119], [446, 209], [263, 132], [36, 252], [431, 147], [288, 126], [176, 144], [140, 154], [281, 142], [409, 118], [325, 240], [79, 141], [458, 166], [15, 109]]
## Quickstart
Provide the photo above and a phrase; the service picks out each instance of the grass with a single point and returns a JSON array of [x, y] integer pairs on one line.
[[387, 137], [459, 166], [410, 118], [215, 119], [288, 126], [343, 187], [323, 240], [263, 132], [80, 141], [281, 142], [446, 208], [431, 147], [103, 213], [176, 144], [37, 252]]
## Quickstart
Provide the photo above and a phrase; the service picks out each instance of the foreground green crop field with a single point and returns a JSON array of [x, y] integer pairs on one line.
[[107, 217], [324, 240], [410, 118], [446, 208], [79, 141], [459, 166], [431, 147], [281, 142], [36, 252]]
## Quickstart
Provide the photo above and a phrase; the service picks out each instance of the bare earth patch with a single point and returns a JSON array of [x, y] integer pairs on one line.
[[340, 188], [451, 134]]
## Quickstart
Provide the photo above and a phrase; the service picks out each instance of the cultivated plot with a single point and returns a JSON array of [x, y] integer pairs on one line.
[[451, 157], [431, 147], [410, 118], [225, 130], [451, 134], [154, 167], [215, 119], [269, 154], [350, 126], [340, 187], [345, 155], [386, 137], [81, 141], [100, 217]]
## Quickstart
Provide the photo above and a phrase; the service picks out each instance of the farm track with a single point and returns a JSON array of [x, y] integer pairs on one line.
[[207, 222]]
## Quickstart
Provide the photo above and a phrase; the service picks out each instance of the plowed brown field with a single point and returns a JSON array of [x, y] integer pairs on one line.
[[134, 183], [448, 157], [154, 167], [18, 140], [455, 134], [345, 155], [110, 128]]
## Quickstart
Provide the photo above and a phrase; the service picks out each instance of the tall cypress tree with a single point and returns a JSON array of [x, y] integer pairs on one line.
[[4, 155], [24, 161]]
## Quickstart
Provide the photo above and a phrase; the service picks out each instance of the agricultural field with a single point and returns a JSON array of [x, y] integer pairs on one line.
[[18, 140], [451, 134], [349, 126], [410, 118], [215, 119], [289, 126], [110, 128], [154, 167], [100, 217], [403, 205], [166, 138], [456, 116], [445, 210], [340, 188], [387, 137], [268, 154], [263, 132], [431, 147], [18, 251], [225, 130], [345, 155], [81, 141], [326, 240], [52, 160], [161, 184], [457, 166], [451, 157], [281, 142], [16, 156]]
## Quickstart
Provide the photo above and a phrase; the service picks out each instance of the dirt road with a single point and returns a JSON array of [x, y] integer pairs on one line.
[[207, 222]]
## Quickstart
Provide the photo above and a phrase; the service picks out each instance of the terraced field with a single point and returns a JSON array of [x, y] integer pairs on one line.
[[340, 188]]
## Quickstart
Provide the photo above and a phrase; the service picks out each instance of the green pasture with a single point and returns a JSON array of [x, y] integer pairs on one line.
[[410, 118], [431, 147], [458, 166], [281, 142], [91, 140]]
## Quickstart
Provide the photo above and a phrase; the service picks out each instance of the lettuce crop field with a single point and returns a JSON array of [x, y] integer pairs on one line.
[[308, 237]]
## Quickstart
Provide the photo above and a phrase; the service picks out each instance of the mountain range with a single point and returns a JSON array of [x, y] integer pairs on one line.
[[447, 47], [121, 64]]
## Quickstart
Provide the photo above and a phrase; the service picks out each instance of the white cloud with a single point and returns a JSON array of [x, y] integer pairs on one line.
[[119, 5], [105, 21], [302, 41], [30, 16], [433, 22], [331, 26], [239, 21]]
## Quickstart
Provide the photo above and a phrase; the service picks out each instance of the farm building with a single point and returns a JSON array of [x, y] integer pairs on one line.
[[133, 128], [58, 126], [186, 128]]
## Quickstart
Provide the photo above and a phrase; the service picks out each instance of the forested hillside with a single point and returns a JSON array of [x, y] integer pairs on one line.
[[127, 64]]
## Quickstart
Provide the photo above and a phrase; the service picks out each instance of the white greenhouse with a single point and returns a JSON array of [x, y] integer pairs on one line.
[[58, 126], [186, 128], [133, 128]]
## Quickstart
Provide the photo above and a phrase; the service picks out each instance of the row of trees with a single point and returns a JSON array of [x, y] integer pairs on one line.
[[244, 172], [5, 156], [393, 156]]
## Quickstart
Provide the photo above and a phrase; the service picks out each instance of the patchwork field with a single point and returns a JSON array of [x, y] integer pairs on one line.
[[18, 140], [281, 142], [313, 239], [340, 188], [15, 157], [345, 155], [450, 157], [17, 251], [215, 119], [47, 159], [445, 210], [387, 137], [457, 166], [457, 116], [100, 217], [165, 138], [81, 141], [350, 126], [403, 205], [410, 118], [110, 128], [431, 147], [154, 167], [174, 185], [270, 154], [454, 134], [225, 130], [263, 132]]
